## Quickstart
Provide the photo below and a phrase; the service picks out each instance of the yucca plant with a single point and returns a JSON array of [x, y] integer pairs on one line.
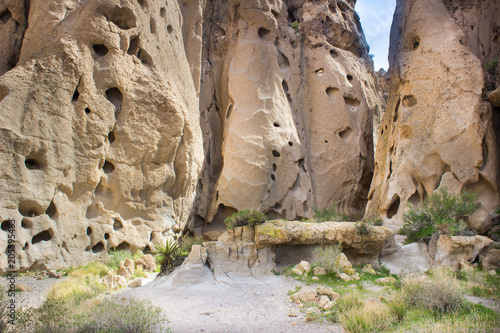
[[166, 255]]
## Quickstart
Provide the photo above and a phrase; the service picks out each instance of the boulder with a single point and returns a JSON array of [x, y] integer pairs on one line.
[[317, 271], [413, 257], [453, 250], [386, 280], [129, 265], [344, 277], [211, 236], [306, 295], [147, 262], [494, 97], [343, 264], [492, 260], [23, 287], [328, 291], [123, 271], [369, 269], [198, 255], [113, 282], [135, 283], [302, 268]]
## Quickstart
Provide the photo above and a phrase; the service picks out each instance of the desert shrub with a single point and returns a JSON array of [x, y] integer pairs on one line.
[[116, 258], [398, 308], [372, 317], [94, 268], [187, 242], [325, 257], [245, 217], [443, 294], [491, 66], [439, 212], [363, 228], [376, 221], [166, 255], [75, 290], [295, 26], [348, 302], [328, 214]]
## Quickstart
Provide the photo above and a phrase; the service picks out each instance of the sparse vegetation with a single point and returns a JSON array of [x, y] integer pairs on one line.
[[167, 254], [439, 212], [187, 242], [245, 217], [295, 26], [375, 221], [328, 214], [491, 66], [363, 228], [325, 257]]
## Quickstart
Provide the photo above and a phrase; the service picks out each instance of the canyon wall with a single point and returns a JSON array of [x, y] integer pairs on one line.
[[437, 130], [287, 101], [99, 127]]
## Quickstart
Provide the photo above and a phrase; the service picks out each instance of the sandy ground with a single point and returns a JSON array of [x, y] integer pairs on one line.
[[33, 297], [241, 305]]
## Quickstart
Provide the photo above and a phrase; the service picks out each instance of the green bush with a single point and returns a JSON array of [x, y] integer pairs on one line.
[[166, 255], [295, 26], [363, 228], [439, 212], [325, 257], [376, 221], [491, 66], [328, 214], [244, 218], [117, 257], [187, 242]]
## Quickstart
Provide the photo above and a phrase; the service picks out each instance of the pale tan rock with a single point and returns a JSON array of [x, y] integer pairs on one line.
[[129, 264], [369, 269], [301, 233], [413, 257], [344, 277], [23, 287], [147, 262], [492, 273], [100, 123], [453, 250], [123, 271], [313, 311], [466, 267], [494, 97], [343, 264], [317, 271], [492, 260], [328, 291], [315, 278], [135, 283], [293, 312], [306, 294], [386, 280], [198, 255], [113, 282], [437, 131], [211, 236], [323, 302], [302, 268]]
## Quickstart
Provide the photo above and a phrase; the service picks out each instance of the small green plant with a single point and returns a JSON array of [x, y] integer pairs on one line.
[[325, 257], [244, 218], [363, 228], [187, 242], [295, 26], [491, 66], [328, 214], [166, 255], [117, 257], [439, 212], [375, 221]]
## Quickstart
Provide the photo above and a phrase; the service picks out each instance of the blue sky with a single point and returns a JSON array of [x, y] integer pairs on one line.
[[376, 19]]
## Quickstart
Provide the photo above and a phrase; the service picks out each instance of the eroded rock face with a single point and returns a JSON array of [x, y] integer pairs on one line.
[[286, 101], [101, 146], [437, 130]]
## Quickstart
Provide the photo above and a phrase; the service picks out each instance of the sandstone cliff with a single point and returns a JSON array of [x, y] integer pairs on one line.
[[437, 131], [99, 127], [287, 101]]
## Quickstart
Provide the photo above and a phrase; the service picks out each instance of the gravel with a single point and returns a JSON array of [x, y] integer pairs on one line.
[[34, 297]]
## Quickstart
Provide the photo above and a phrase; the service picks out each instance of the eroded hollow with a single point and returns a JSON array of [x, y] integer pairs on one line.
[[163, 12], [5, 16], [99, 247], [394, 207], [89, 231], [133, 47], [276, 125], [263, 32], [117, 225], [170, 29], [26, 224], [143, 3], [349, 78], [76, 94], [283, 61], [331, 91], [334, 54], [100, 49], [111, 137], [345, 134], [351, 102], [106, 236], [87, 110], [409, 101], [30, 208], [32, 164], [276, 153], [51, 210], [152, 26], [123, 17], [123, 246], [44, 236], [108, 167], [144, 57], [115, 96], [6, 225]]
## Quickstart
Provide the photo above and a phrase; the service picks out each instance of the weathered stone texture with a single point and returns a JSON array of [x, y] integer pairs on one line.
[[437, 130], [99, 129]]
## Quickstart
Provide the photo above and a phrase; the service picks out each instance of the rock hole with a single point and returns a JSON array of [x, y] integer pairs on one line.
[[275, 13], [89, 231], [32, 164], [320, 72], [345, 134], [144, 57], [108, 167], [331, 91], [276, 153], [283, 61], [6, 225], [65, 246], [394, 207], [87, 110], [152, 26], [290, 143], [150, 236], [414, 199], [274, 167], [115, 96], [485, 151], [409, 101], [76, 94], [123, 17], [170, 29], [26, 246], [146, 250], [326, 141], [117, 225], [100, 49], [4, 91], [26, 224], [133, 47], [44, 236], [5, 16], [87, 249], [351, 102], [111, 137], [334, 54], [350, 78], [396, 112], [278, 206], [163, 12], [106, 236], [30, 208], [302, 164], [124, 246], [51, 211], [229, 110], [273, 178], [263, 32], [143, 3], [276, 125], [99, 247], [416, 43]]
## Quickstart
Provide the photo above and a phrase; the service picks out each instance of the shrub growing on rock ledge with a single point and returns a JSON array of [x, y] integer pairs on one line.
[[441, 213], [244, 218], [328, 214]]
